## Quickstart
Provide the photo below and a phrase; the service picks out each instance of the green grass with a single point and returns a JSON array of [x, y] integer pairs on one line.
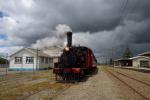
[[19, 89]]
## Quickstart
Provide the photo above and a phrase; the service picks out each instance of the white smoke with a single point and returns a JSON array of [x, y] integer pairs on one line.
[[61, 29], [57, 40]]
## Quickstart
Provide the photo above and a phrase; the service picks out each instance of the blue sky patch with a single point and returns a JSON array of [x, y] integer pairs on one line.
[[3, 36], [3, 46], [2, 14]]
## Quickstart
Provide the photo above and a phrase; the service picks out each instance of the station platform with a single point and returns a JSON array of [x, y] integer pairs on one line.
[[145, 70]]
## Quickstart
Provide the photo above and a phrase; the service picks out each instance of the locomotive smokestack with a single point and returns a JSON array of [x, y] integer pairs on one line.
[[69, 39]]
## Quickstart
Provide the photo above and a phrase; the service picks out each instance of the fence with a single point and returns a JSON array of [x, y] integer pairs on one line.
[[4, 65]]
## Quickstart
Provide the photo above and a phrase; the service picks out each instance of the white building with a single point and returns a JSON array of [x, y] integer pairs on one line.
[[29, 59], [141, 61]]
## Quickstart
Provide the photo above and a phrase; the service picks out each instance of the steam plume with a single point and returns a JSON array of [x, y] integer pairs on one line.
[[56, 40]]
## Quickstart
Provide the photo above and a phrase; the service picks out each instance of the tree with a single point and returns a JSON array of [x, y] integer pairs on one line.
[[127, 53], [3, 61]]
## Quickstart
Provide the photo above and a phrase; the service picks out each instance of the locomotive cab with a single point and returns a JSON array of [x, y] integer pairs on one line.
[[74, 57]]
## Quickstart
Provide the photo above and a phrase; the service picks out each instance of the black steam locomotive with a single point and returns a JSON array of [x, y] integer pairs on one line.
[[75, 61]]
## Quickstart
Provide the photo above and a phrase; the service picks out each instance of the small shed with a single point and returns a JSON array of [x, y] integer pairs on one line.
[[3, 63], [141, 61], [123, 62]]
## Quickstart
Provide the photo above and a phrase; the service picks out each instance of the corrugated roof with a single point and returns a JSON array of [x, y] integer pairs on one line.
[[40, 52], [136, 57], [122, 59], [145, 53], [53, 48], [53, 51]]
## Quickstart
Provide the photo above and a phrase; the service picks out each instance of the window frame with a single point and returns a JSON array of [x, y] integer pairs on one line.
[[46, 60], [29, 59], [18, 61], [42, 59]]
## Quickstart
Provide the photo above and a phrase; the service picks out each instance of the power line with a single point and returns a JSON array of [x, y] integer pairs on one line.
[[123, 8], [132, 9], [137, 3]]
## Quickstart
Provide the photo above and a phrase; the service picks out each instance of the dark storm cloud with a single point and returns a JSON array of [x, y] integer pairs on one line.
[[83, 15], [101, 24]]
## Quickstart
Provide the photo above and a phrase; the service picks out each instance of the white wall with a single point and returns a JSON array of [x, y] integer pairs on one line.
[[136, 62], [37, 64], [23, 54]]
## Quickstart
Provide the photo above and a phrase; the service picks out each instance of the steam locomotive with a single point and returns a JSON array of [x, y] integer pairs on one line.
[[75, 62]]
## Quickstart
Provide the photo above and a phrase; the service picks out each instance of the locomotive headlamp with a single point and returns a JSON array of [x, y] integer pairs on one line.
[[66, 48]]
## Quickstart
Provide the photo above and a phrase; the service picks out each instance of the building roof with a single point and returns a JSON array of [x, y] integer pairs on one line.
[[53, 48], [40, 52], [33, 51], [53, 51], [136, 57], [121, 59], [44, 52], [145, 53]]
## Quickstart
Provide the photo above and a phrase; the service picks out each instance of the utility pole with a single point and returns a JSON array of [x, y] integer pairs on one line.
[[113, 51], [21, 64], [37, 58], [6, 63]]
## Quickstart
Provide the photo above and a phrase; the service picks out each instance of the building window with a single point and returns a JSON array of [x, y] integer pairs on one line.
[[42, 59], [50, 60], [46, 60], [18, 60], [29, 60]]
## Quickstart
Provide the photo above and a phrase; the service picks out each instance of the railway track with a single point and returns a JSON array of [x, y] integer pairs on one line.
[[126, 83], [147, 84], [31, 94]]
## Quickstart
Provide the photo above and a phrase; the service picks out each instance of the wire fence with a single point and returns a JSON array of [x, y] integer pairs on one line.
[[4, 65]]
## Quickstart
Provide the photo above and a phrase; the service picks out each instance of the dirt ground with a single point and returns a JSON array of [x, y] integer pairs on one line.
[[41, 85], [24, 85], [101, 86]]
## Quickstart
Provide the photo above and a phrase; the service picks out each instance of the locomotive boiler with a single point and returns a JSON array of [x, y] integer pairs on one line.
[[75, 62]]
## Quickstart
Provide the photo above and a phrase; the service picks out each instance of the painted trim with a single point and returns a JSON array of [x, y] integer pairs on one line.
[[26, 69], [18, 69]]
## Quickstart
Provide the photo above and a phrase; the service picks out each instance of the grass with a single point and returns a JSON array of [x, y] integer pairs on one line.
[[2, 69], [30, 83]]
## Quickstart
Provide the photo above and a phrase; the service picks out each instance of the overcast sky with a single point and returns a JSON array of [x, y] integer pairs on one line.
[[98, 24]]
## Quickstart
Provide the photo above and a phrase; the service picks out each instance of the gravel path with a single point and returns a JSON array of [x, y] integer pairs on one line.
[[101, 86]]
